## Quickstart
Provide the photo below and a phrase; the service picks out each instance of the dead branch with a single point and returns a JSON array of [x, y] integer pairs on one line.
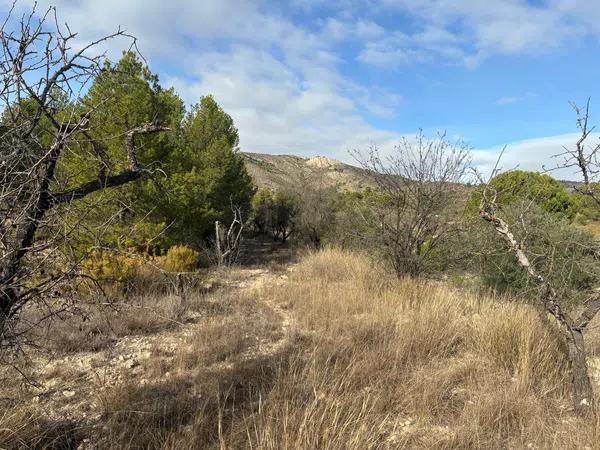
[[570, 330], [228, 243], [42, 78]]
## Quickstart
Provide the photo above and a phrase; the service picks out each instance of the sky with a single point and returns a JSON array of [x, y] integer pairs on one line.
[[323, 77]]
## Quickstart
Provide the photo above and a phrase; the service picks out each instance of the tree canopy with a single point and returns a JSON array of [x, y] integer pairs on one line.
[[198, 173], [540, 189], [207, 174]]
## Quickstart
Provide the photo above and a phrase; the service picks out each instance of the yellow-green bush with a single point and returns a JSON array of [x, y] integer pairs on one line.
[[108, 266], [179, 258]]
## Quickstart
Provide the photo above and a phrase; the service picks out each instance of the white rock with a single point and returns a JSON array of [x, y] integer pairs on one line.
[[322, 162], [131, 364]]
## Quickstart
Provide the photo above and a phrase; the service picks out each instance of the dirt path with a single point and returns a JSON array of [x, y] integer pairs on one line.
[[72, 385]]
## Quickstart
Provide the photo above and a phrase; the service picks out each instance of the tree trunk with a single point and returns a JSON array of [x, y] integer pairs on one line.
[[571, 331], [26, 231], [218, 243], [316, 240], [583, 396], [8, 297]]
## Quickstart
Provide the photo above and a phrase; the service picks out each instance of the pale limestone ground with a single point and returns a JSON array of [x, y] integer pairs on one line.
[[71, 386]]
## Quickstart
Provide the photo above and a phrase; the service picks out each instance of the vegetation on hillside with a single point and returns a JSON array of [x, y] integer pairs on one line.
[[518, 186], [426, 311]]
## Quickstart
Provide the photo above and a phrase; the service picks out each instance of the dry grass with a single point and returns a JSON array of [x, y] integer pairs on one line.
[[377, 363], [189, 411], [98, 321], [222, 338], [95, 326], [412, 365], [591, 227], [28, 428]]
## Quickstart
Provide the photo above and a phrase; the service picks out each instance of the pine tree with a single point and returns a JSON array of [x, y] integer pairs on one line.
[[209, 174]]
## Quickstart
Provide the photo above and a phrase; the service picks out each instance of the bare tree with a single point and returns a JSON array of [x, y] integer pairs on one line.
[[228, 240], [417, 183], [314, 198], [571, 329], [44, 74], [582, 158]]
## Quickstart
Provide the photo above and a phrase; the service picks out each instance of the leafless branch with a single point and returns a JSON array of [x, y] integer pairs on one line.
[[42, 78]]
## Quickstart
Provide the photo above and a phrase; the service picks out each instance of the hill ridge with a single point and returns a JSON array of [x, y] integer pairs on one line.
[[278, 171]]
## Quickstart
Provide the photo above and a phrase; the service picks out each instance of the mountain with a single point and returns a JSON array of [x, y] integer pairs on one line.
[[278, 171]]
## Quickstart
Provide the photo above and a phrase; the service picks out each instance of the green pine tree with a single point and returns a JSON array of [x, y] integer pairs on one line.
[[209, 176]]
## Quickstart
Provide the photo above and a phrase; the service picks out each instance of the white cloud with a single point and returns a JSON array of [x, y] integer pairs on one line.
[[279, 81], [468, 31], [337, 29], [280, 111], [396, 49], [381, 54], [533, 154], [507, 100], [511, 99]]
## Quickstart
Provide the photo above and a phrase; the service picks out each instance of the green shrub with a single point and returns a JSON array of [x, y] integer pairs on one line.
[[589, 211], [563, 254], [262, 209], [542, 190]]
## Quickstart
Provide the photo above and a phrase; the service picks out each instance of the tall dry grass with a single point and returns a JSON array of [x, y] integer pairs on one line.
[[411, 364], [370, 363]]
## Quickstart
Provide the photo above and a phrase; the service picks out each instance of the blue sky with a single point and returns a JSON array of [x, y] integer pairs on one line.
[[312, 77]]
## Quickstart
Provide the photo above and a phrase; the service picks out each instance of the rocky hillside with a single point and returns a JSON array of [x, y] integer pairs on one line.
[[277, 171]]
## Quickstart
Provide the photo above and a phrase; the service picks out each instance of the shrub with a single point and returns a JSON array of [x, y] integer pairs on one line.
[[147, 238], [274, 212], [543, 190], [262, 209], [565, 255], [108, 266], [180, 258], [589, 212]]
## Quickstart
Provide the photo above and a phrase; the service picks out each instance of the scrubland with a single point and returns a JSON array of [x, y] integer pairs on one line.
[[331, 353]]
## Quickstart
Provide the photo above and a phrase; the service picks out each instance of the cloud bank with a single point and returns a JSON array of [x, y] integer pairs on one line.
[[282, 78]]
